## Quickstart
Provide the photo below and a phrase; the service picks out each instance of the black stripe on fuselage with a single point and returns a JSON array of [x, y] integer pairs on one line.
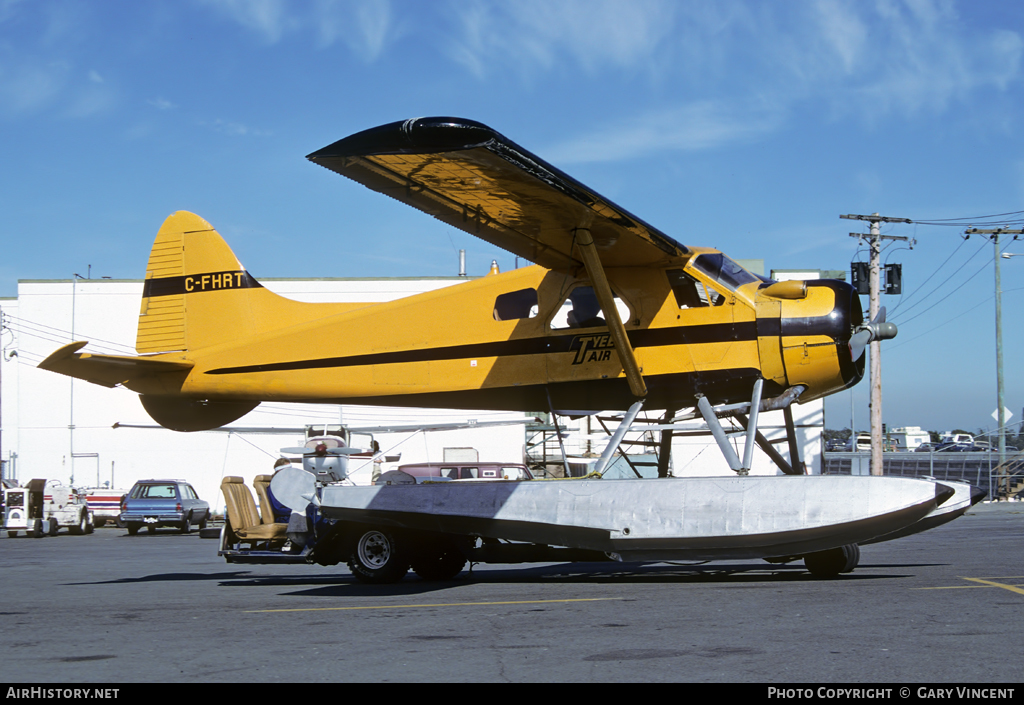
[[198, 283], [657, 337]]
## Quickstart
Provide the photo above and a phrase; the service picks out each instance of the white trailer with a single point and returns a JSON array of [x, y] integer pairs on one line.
[[909, 438]]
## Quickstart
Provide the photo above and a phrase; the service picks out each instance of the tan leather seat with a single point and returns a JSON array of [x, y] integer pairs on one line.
[[243, 516], [260, 483]]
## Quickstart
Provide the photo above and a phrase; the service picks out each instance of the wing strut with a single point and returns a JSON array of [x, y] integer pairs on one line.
[[595, 271]]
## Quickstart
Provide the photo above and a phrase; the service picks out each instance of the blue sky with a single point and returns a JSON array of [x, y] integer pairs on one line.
[[746, 126]]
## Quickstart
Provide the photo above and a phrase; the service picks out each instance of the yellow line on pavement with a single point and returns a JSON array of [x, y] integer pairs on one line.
[[992, 583], [439, 604], [983, 583]]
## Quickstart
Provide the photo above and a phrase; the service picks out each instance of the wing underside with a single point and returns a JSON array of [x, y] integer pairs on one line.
[[473, 178]]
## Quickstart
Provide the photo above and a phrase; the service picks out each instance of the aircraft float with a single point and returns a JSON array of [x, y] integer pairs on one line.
[[613, 315]]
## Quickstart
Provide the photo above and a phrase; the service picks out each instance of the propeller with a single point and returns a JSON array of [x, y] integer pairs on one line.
[[321, 451], [878, 329]]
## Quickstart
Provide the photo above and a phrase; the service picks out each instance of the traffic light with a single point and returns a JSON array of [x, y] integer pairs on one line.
[[894, 278]]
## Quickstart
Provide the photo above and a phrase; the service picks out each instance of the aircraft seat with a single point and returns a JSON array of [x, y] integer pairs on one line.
[[260, 483], [243, 515]]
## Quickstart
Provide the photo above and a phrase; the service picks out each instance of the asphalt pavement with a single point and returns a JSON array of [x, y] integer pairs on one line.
[[944, 606]]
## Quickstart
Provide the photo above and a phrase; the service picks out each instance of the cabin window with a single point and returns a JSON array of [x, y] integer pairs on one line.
[[516, 305], [582, 310], [691, 293]]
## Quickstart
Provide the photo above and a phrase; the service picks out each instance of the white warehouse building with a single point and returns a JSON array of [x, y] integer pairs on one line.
[[85, 435]]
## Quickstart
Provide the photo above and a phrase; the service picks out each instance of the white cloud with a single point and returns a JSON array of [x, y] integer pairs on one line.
[[161, 104], [695, 126], [234, 129], [536, 34], [267, 18], [365, 26], [27, 86]]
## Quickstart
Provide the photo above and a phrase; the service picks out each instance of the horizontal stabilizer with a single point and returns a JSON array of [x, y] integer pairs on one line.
[[107, 370]]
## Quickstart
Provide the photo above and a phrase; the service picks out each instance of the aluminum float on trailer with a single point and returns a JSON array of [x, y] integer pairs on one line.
[[965, 496], [693, 518]]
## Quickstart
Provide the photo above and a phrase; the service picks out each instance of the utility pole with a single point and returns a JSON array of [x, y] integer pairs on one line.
[[1000, 413], [875, 243]]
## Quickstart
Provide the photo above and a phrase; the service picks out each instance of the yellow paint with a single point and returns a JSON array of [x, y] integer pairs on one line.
[[219, 335]]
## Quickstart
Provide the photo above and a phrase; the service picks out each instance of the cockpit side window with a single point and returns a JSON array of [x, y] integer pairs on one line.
[[691, 293], [723, 270], [515, 305]]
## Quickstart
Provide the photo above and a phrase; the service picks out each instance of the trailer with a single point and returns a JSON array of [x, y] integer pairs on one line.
[[434, 527], [105, 505]]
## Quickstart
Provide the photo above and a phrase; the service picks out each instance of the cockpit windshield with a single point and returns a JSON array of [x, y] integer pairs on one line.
[[723, 270]]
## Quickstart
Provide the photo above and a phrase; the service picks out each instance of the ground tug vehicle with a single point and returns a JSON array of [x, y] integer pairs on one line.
[[42, 508]]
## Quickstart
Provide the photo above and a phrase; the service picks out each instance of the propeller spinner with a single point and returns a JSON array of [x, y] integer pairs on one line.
[[878, 329]]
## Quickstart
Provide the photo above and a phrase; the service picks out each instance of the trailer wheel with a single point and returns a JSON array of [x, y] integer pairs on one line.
[[830, 563], [438, 561], [377, 557]]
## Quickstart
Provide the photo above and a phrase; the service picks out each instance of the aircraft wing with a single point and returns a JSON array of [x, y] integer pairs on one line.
[[106, 370], [475, 179]]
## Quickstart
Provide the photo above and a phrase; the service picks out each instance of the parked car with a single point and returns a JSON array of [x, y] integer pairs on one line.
[[154, 503]]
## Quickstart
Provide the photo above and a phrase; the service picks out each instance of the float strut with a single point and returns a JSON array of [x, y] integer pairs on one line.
[[613, 444]]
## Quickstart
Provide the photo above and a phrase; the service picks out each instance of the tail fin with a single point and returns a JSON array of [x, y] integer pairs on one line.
[[197, 294]]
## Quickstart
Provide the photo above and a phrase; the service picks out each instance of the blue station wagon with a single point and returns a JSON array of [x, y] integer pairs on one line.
[[153, 503]]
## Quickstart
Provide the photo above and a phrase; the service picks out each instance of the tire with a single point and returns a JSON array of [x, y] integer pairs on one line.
[[12, 534], [37, 529], [186, 525], [90, 524], [378, 558], [438, 561], [830, 563], [133, 527], [54, 527], [202, 523], [82, 526]]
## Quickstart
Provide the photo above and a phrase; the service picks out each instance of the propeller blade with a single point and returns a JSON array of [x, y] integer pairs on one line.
[[878, 329], [858, 342], [329, 451]]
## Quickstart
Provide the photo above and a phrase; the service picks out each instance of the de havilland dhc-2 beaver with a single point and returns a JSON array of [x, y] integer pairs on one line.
[[612, 315]]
